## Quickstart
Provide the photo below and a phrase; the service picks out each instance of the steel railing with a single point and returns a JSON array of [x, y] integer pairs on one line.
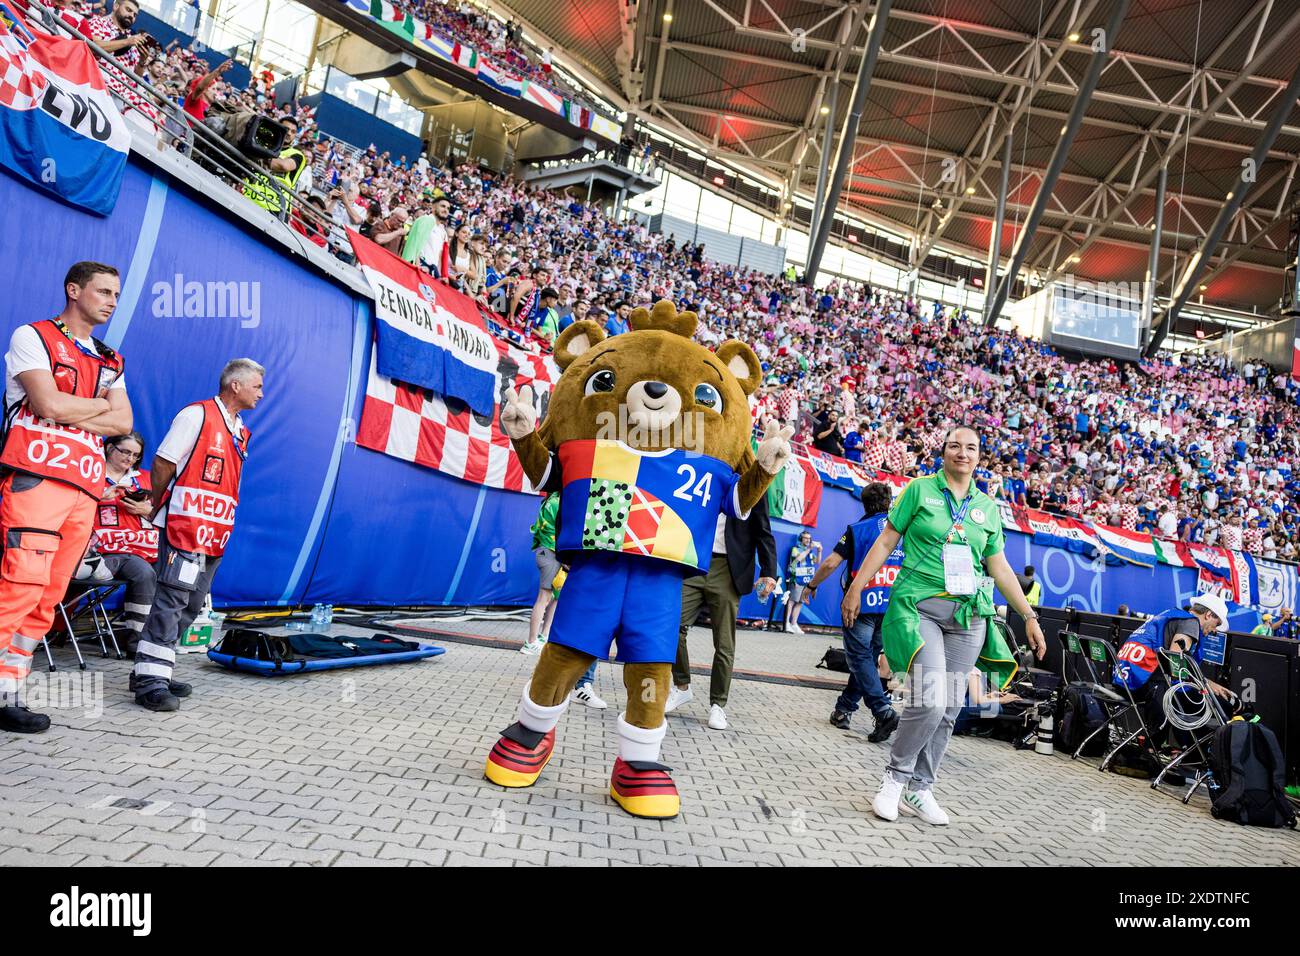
[[205, 148]]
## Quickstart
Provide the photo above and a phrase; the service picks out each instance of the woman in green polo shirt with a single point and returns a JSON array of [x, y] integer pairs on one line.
[[939, 625]]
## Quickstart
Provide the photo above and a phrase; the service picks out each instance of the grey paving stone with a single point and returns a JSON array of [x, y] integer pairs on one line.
[[395, 778]]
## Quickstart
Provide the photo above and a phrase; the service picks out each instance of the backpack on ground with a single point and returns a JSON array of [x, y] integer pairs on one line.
[[835, 660], [256, 645], [1081, 714], [1247, 765]]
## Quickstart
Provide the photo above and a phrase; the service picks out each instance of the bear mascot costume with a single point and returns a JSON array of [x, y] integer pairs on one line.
[[647, 440]]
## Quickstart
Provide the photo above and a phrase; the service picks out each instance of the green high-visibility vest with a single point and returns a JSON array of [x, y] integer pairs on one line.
[[261, 190]]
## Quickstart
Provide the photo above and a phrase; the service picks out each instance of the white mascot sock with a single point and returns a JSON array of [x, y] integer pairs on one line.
[[536, 717], [637, 743]]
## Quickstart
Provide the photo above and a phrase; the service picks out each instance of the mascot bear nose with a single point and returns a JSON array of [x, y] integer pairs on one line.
[[656, 389]]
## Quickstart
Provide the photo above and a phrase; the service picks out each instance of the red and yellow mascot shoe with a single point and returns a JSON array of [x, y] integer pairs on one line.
[[644, 789], [640, 784], [525, 747], [519, 756]]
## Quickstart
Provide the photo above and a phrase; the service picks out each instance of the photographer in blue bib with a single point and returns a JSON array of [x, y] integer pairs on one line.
[[1197, 632], [862, 647], [939, 625], [799, 569]]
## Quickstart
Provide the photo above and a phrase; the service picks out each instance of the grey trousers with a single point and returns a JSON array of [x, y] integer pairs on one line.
[[936, 692], [174, 610], [140, 586]]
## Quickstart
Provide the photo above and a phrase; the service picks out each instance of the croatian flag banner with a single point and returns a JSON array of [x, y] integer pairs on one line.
[[59, 127]]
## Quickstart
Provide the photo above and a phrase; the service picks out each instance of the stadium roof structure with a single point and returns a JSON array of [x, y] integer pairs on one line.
[[1188, 83]]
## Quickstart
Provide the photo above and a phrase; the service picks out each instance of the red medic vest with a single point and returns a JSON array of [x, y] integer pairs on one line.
[[38, 446], [202, 499], [120, 532]]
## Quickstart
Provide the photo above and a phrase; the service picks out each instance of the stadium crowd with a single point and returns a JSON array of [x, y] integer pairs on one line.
[[502, 42], [1186, 448]]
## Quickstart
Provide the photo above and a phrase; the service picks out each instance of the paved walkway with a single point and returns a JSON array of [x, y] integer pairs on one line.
[[383, 765]]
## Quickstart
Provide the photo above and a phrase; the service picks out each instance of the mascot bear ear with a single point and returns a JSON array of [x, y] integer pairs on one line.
[[664, 317], [576, 339], [742, 363]]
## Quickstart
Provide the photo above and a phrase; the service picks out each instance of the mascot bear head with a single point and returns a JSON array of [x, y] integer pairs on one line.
[[648, 382]]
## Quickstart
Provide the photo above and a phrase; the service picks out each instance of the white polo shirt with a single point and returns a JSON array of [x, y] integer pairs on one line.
[[27, 354]]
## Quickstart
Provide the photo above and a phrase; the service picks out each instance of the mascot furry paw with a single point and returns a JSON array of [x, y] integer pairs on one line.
[[647, 440]]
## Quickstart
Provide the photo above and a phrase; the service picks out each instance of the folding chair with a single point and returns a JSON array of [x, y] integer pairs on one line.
[[1028, 678], [87, 597], [1077, 668], [1116, 699], [1073, 667], [1179, 668]]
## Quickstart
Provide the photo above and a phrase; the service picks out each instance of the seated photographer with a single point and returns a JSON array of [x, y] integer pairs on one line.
[[124, 538], [1138, 667]]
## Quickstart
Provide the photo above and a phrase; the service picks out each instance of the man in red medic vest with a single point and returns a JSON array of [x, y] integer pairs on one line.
[[64, 391], [195, 490]]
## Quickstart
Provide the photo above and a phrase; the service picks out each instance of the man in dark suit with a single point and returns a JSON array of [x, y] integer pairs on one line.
[[731, 575]]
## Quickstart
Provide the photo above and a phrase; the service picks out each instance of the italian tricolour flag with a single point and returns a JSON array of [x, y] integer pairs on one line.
[[795, 494], [393, 17]]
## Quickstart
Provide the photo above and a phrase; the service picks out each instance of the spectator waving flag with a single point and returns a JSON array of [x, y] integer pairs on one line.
[[429, 335], [59, 127]]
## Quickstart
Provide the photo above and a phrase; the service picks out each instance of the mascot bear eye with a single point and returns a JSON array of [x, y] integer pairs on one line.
[[708, 396], [602, 381]]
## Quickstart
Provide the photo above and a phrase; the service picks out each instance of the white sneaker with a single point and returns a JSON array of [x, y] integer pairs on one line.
[[717, 718], [921, 803], [885, 805], [584, 694], [796, 629], [533, 647], [677, 697]]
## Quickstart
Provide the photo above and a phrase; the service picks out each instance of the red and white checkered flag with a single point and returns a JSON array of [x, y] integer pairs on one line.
[[420, 426]]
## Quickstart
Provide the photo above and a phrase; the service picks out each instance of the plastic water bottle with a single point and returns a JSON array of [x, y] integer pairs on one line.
[[329, 615], [319, 625]]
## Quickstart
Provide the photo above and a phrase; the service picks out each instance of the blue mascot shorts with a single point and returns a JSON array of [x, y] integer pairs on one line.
[[628, 600]]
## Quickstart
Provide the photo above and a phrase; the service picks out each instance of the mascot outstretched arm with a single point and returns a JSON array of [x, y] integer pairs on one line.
[[647, 440]]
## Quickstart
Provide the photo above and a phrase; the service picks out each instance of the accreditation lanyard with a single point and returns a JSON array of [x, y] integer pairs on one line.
[[958, 563]]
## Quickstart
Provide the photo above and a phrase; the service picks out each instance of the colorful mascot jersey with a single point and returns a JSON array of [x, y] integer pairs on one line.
[[47, 449], [118, 531], [861, 535], [662, 505], [1137, 657]]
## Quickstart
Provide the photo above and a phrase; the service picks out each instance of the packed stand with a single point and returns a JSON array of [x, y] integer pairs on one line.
[[1188, 449], [503, 42]]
